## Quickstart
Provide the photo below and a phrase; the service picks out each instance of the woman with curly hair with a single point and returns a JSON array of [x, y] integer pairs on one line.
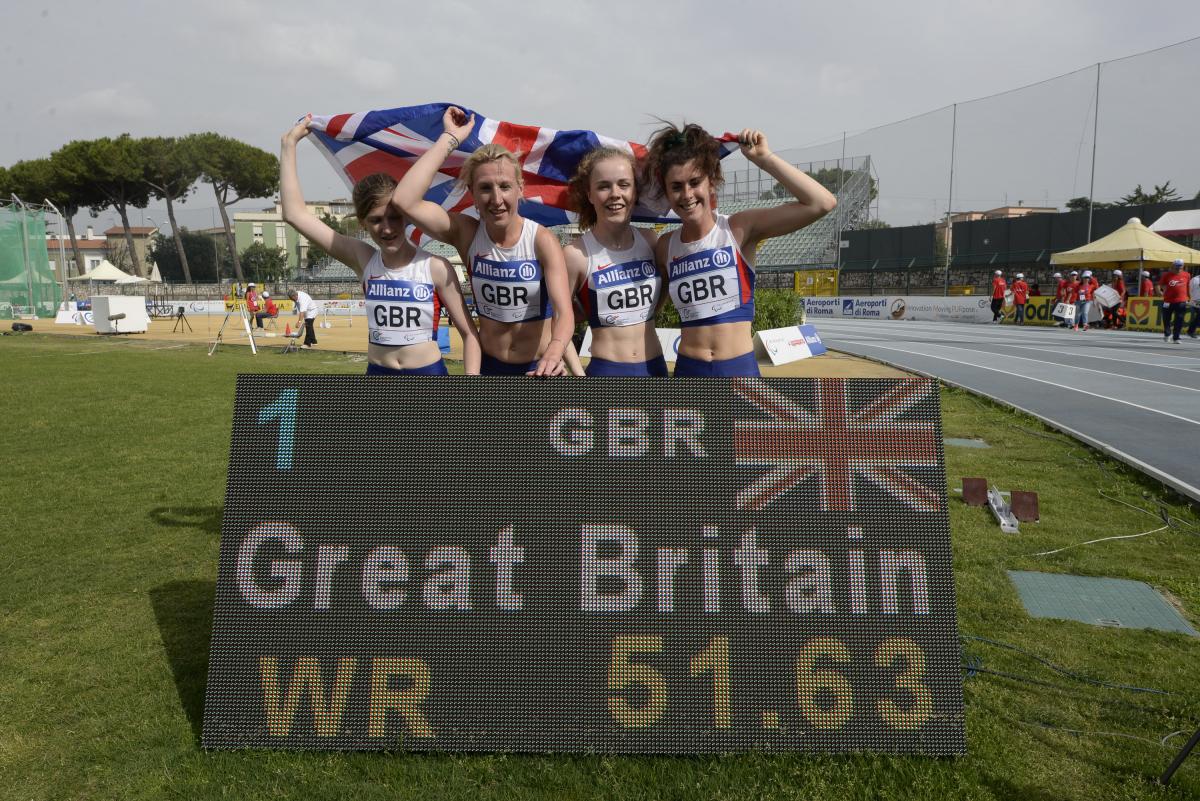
[[709, 260]]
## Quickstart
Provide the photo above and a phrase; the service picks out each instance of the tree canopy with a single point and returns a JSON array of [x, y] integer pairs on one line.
[[265, 264], [235, 170], [204, 255]]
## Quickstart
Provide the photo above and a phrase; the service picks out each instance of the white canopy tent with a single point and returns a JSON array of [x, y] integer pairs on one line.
[[1178, 223], [104, 271]]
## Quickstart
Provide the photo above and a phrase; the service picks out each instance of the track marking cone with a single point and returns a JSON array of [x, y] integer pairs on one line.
[[287, 330]]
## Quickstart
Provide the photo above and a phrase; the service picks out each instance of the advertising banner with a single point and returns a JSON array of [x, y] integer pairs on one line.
[[635, 566], [783, 345], [897, 307]]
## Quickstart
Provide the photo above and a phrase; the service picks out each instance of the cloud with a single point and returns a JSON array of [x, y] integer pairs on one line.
[[840, 80], [121, 102], [306, 48]]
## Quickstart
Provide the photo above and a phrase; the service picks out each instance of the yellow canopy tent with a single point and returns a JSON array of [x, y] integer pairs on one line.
[[1132, 245]]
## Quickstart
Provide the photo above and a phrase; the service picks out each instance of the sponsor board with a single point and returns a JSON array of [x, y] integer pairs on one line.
[[783, 345], [901, 307]]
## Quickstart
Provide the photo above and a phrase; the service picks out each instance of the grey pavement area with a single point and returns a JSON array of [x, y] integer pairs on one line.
[[1127, 393]]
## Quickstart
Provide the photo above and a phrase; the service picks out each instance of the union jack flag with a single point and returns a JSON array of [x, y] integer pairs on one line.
[[390, 140], [836, 443]]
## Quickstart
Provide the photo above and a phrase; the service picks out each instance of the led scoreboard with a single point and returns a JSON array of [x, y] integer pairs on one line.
[[614, 565]]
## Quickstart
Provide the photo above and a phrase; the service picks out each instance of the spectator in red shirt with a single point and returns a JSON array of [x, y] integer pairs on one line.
[[251, 299], [1020, 291], [1083, 298], [1146, 287], [1174, 283], [269, 312], [998, 289], [1060, 296], [1118, 283]]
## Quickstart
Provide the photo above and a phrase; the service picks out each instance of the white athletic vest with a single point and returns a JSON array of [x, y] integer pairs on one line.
[[508, 283], [403, 306], [708, 279], [622, 285]]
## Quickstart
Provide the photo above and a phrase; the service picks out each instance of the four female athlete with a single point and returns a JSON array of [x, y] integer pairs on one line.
[[405, 287], [521, 279]]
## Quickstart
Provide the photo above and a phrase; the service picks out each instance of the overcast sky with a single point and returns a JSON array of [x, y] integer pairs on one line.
[[802, 72]]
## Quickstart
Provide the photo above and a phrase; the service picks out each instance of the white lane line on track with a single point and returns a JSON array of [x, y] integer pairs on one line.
[[1056, 364], [1039, 380], [1166, 478], [1077, 348]]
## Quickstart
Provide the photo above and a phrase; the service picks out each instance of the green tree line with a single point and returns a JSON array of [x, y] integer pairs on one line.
[[124, 172]]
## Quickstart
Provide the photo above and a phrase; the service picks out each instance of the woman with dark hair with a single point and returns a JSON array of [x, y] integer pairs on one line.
[[611, 267], [405, 287], [709, 260], [516, 266]]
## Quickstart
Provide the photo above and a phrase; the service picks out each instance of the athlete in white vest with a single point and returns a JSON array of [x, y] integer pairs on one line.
[[611, 268], [516, 266], [405, 287], [709, 259]]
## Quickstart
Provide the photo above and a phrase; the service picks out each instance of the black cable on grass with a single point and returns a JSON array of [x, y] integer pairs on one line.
[[1056, 668]]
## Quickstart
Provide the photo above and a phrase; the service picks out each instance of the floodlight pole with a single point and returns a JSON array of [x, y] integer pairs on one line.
[[25, 250], [1095, 132], [950, 198], [841, 175]]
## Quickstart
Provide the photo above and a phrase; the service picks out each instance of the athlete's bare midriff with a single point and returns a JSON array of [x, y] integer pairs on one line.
[[627, 343], [515, 343], [711, 343], [404, 357]]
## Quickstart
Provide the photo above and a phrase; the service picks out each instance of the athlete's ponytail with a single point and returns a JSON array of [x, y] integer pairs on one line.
[[671, 146]]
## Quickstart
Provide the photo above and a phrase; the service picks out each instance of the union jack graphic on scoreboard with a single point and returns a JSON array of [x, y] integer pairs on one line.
[[390, 140], [836, 443]]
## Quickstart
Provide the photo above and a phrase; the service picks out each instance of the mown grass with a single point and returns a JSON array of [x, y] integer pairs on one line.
[[111, 507]]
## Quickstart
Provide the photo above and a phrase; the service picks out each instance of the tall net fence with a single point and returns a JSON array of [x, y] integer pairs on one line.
[[27, 282], [1018, 153]]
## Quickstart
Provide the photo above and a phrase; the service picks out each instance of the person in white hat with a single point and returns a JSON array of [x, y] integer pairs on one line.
[[1083, 298], [998, 289], [1060, 296], [269, 310], [1020, 291], [252, 301], [1145, 285], [1118, 283], [1174, 283]]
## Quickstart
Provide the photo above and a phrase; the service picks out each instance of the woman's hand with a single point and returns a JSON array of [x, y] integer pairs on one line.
[[753, 144], [551, 363], [458, 123], [298, 131]]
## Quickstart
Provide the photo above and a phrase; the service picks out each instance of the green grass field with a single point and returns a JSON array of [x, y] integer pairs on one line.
[[115, 458]]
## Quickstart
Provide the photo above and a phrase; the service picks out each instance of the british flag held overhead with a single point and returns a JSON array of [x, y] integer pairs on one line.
[[835, 443], [390, 140]]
